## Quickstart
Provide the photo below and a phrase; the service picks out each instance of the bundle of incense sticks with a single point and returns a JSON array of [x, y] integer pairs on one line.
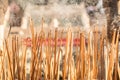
[[59, 55]]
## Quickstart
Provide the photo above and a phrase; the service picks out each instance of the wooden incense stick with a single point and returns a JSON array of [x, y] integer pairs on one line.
[[95, 70], [9, 61], [111, 58], [116, 58]]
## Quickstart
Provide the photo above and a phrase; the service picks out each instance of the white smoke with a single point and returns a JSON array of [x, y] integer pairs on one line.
[[58, 11], [100, 6], [1, 36], [3, 26]]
